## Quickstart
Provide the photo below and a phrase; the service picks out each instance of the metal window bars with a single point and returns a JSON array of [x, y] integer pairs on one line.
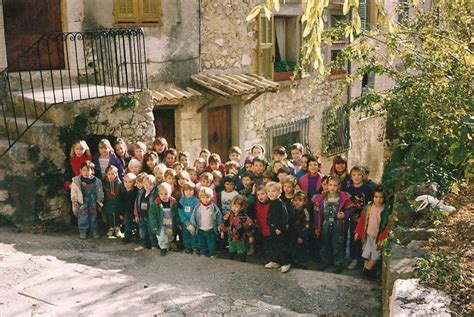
[[287, 133], [336, 133]]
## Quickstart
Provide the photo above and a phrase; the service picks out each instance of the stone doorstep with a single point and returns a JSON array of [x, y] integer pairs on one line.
[[409, 298]]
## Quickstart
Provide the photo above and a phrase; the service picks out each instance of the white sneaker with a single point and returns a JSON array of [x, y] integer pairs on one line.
[[272, 265], [110, 232], [353, 264], [118, 233], [139, 248], [285, 268]]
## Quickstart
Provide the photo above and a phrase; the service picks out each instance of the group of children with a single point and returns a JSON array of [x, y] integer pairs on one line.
[[283, 209]]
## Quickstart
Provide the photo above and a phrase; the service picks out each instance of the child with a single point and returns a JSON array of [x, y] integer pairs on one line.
[[267, 177], [206, 222], [361, 194], [170, 157], [282, 174], [277, 221], [289, 187], [279, 154], [231, 167], [304, 166], [139, 150], [296, 151], [257, 150], [224, 202], [178, 167], [185, 207], [247, 183], [234, 154], [259, 210], [162, 213], [339, 170], [159, 173], [238, 226], [259, 167], [184, 158], [277, 165], [204, 154], [134, 166], [205, 180], [145, 198], [200, 164], [127, 197], [160, 145], [248, 166], [121, 151], [79, 153], [331, 210], [310, 183], [193, 175], [106, 157], [217, 183], [110, 213], [139, 182], [300, 231], [86, 193], [373, 228], [170, 177], [215, 163], [151, 161]]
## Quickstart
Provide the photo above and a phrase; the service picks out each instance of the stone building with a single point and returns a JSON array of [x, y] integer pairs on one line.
[[202, 75]]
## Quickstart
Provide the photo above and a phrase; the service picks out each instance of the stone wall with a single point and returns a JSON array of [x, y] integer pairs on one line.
[[3, 51]]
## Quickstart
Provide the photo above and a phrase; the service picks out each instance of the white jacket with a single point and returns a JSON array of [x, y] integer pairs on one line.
[[76, 192]]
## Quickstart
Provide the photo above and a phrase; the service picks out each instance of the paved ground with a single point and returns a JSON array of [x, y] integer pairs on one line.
[[54, 275]]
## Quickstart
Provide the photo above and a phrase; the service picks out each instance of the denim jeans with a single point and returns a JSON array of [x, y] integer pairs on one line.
[[147, 237], [87, 215]]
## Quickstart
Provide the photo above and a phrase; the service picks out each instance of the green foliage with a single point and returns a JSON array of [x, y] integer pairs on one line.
[[126, 101], [284, 66], [50, 176], [76, 131], [438, 269]]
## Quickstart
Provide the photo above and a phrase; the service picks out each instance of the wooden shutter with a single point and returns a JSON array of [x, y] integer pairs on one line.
[[150, 11], [363, 14], [266, 48], [126, 10]]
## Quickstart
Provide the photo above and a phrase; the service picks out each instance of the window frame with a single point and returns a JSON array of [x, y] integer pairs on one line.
[[138, 17]]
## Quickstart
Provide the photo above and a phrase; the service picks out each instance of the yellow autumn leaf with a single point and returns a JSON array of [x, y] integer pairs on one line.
[[253, 14], [345, 7], [268, 13], [277, 5]]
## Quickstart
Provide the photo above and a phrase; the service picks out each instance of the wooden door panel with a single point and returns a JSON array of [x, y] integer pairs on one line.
[[219, 130], [26, 21], [165, 125]]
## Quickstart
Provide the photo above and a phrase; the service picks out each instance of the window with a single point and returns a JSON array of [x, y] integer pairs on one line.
[[137, 11], [368, 82], [286, 134], [336, 134]]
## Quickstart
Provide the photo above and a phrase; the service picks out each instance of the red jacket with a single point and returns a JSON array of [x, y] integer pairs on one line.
[[74, 168], [384, 226], [261, 215]]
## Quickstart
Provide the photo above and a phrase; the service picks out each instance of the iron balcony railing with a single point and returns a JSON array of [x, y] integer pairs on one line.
[[63, 67]]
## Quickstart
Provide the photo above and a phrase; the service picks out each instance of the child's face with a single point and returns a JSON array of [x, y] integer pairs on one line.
[[213, 166], [236, 208], [206, 182], [181, 181], [258, 168], [262, 196], [138, 153], [298, 203], [229, 186], [189, 192], [249, 167], [278, 157], [217, 180], [138, 184], [169, 160], [151, 163], [120, 149], [233, 170], [313, 167], [281, 177], [296, 154], [247, 181], [159, 148], [325, 185], [135, 169], [158, 175], [178, 168], [184, 160], [340, 168], [266, 180], [128, 184], [273, 193], [234, 157], [164, 195], [103, 151], [199, 167], [193, 176], [304, 163], [256, 151], [378, 199], [204, 156], [205, 199], [148, 186], [111, 175], [169, 179], [288, 189], [86, 172], [79, 150], [333, 187], [276, 167], [357, 178]]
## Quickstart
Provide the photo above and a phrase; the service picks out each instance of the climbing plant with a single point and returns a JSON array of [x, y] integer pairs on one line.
[[126, 101]]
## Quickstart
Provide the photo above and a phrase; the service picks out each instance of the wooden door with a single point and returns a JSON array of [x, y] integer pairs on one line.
[[219, 135], [26, 21], [164, 125]]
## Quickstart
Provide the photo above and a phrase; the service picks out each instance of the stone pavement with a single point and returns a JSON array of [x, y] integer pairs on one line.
[[57, 275]]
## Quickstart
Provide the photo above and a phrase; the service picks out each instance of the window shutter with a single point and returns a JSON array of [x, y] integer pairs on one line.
[[150, 11], [363, 14], [266, 49], [126, 10]]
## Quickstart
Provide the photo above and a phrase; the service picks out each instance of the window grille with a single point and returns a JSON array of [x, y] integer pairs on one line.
[[287, 133], [336, 133]]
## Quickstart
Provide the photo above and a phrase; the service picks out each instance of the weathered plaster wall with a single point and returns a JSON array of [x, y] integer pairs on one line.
[[3, 52], [172, 48]]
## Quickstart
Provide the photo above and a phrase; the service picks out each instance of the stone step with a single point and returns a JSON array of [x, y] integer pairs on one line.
[[37, 133], [39, 79]]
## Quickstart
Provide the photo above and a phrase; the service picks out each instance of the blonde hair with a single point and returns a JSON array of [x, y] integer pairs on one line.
[[207, 175], [273, 185], [166, 187], [290, 179], [130, 177], [104, 143], [134, 162], [170, 171], [84, 146], [141, 177], [206, 191], [149, 179], [160, 168], [139, 145]]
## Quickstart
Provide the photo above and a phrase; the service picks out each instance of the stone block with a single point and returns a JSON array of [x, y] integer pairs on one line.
[[409, 298], [3, 195], [7, 210], [414, 234]]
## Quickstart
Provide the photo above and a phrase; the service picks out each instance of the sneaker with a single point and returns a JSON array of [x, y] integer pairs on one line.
[[353, 264], [118, 233], [272, 265], [163, 252], [95, 234], [139, 248], [285, 268], [110, 232], [82, 235]]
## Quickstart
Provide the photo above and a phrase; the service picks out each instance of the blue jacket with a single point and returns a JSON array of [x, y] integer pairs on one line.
[[216, 217], [138, 201], [185, 208], [113, 160]]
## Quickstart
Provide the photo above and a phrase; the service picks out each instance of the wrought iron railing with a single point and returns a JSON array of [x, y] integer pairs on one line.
[[287, 133], [64, 67], [336, 133]]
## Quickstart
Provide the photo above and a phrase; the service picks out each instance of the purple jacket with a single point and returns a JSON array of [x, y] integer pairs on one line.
[[304, 183], [113, 160], [345, 205]]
